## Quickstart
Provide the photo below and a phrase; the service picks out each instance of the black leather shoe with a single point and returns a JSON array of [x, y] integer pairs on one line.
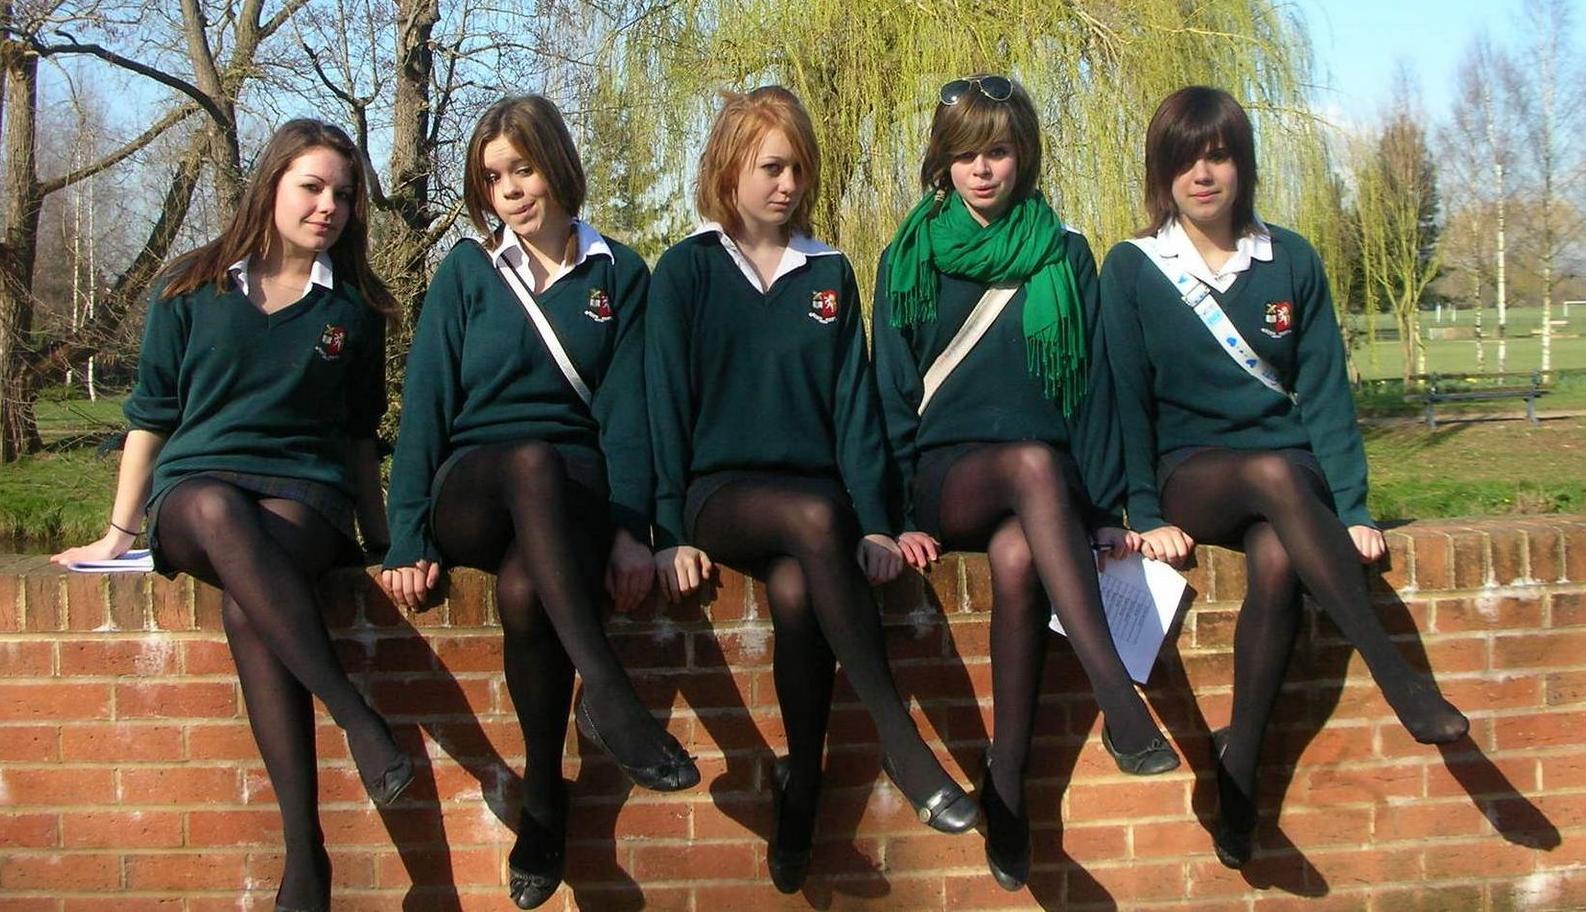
[[1233, 832], [1150, 760], [788, 866], [948, 809], [539, 859], [673, 774], [1007, 836], [391, 783]]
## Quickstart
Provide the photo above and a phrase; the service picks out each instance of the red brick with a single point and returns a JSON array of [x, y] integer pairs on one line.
[[1326, 826], [207, 657], [1575, 554], [1509, 564], [29, 831], [432, 697], [10, 603], [44, 592], [694, 861], [251, 827], [1129, 884], [209, 871], [1228, 574], [29, 743], [171, 603], [129, 600], [456, 653], [122, 904], [633, 819], [1492, 857], [180, 785], [86, 601], [469, 598], [1567, 609], [120, 741], [27, 658], [1488, 612], [440, 866], [1433, 561], [221, 741], [1554, 649], [1430, 899], [144, 657], [1425, 822], [207, 606], [1164, 796], [121, 829], [734, 598], [1545, 548], [1553, 729], [1370, 785], [53, 702], [77, 872], [58, 786], [217, 700]]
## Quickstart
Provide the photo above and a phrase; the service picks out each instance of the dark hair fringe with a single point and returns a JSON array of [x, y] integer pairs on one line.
[[1186, 125]]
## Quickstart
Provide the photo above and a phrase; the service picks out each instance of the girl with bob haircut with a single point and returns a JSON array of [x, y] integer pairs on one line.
[[765, 426], [1245, 436], [524, 452], [1006, 441], [260, 387]]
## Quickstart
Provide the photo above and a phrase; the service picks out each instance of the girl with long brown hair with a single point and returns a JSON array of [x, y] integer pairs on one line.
[[260, 387]]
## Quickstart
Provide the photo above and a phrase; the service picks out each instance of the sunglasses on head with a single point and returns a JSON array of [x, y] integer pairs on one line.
[[996, 88]]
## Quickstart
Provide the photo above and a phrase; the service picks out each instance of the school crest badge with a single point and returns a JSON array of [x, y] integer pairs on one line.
[[599, 306], [1279, 319], [332, 339], [823, 306]]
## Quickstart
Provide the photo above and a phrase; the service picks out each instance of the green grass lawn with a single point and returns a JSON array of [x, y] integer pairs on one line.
[[1524, 349]]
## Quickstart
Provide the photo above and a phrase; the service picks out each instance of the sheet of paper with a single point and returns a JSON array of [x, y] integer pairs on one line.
[[139, 561], [1140, 598]]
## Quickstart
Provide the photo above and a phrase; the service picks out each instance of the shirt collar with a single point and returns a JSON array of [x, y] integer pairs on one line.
[[590, 243], [320, 273], [1254, 244], [800, 249]]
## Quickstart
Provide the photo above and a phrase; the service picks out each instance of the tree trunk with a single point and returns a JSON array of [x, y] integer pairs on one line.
[[18, 429]]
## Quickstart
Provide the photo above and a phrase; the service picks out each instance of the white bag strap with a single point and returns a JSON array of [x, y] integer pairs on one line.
[[1199, 298], [986, 311], [520, 289]]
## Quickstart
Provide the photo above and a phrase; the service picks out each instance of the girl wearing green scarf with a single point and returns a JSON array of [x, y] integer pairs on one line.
[[1017, 452]]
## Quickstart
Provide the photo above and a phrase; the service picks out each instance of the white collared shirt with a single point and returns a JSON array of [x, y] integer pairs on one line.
[[320, 273], [800, 247], [1172, 242], [511, 252]]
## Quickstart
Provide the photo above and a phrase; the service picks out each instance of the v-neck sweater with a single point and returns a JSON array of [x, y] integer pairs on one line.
[[1177, 387], [775, 381], [990, 397], [235, 389], [479, 372]]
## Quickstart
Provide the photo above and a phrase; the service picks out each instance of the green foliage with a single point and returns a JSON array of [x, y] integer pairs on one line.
[[868, 71]]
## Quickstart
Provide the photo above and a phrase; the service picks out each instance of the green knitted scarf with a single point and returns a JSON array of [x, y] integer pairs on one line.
[[1026, 245]]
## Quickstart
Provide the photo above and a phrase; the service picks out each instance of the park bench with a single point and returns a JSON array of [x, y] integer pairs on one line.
[[1442, 389]]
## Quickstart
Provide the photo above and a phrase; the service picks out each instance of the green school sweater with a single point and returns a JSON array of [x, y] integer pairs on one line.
[[990, 396], [233, 389], [778, 381], [479, 373], [1177, 387]]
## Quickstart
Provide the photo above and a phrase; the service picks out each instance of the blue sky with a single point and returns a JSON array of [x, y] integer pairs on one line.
[[1358, 45]]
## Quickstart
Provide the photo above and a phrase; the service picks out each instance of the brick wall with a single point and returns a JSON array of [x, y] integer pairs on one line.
[[129, 782]]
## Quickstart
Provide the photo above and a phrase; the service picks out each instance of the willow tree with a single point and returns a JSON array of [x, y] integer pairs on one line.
[[868, 71]]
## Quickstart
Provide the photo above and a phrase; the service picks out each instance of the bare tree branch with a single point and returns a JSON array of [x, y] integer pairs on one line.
[[199, 97], [171, 119]]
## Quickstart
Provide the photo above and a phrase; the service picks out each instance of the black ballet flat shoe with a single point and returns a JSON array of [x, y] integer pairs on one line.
[[789, 867], [675, 773], [1153, 759], [535, 875], [1007, 836], [391, 783], [949, 809], [1233, 840]]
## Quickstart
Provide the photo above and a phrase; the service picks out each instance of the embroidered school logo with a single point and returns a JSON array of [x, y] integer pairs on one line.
[[599, 306], [823, 306], [1279, 319], [331, 341]]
